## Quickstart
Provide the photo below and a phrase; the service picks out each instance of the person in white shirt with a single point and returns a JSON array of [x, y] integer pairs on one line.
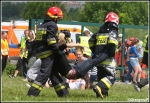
[[33, 72], [76, 84], [81, 83]]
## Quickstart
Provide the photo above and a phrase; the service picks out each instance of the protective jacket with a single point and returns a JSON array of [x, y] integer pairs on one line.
[[23, 43], [4, 47], [84, 42], [105, 40], [46, 39], [145, 44]]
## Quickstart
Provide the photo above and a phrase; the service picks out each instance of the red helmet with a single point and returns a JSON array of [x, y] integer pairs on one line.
[[131, 39], [55, 13], [128, 42], [112, 17]]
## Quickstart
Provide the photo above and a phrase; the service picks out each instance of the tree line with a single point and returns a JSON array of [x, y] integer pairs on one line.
[[130, 13]]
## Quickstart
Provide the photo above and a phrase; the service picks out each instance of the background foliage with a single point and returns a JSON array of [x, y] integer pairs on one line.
[[130, 13]]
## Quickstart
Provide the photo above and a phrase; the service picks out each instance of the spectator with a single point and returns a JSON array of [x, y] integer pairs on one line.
[[4, 49], [140, 51], [128, 63], [30, 45], [83, 40], [80, 83], [80, 58], [143, 82], [134, 60], [22, 61], [33, 72], [93, 75]]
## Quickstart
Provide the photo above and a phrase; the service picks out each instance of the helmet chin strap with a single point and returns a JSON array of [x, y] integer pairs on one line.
[[56, 20]]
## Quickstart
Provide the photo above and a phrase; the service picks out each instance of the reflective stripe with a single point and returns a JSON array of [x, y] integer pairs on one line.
[[4, 52], [36, 86], [145, 50], [108, 62], [4, 47], [44, 54], [38, 83], [58, 85], [40, 32], [106, 82], [60, 88], [91, 44], [114, 41], [52, 42], [100, 91]]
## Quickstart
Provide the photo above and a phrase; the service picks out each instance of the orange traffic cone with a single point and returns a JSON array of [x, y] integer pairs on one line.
[[71, 56]]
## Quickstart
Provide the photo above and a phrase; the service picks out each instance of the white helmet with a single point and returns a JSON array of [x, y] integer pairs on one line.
[[120, 35]]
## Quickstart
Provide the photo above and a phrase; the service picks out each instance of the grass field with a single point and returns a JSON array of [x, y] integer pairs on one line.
[[16, 90]]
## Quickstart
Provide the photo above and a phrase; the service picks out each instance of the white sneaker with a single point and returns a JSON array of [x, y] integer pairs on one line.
[[28, 85], [137, 88], [127, 82]]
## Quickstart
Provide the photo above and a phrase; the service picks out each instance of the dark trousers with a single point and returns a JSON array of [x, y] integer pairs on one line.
[[145, 58], [82, 68], [22, 62], [58, 82], [4, 61], [42, 77], [108, 74], [143, 82]]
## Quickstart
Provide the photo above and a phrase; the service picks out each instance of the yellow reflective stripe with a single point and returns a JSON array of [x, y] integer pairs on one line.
[[36, 86], [145, 50], [4, 50], [52, 42], [107, 84], [113, 41], [44, 54], [100, 91], [41, 32], [91, 44], [52, 16], [59, 88], [109, 63]]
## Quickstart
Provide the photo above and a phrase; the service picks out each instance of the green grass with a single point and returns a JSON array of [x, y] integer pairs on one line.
[[16, 90]]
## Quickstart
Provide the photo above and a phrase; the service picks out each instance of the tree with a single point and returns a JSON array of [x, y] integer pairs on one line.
[[130, 13], [37, 10], [12, 10]]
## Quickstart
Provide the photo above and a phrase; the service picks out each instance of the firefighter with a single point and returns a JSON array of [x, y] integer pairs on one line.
[[4, 50], [46, 47], [105, 41], [104, 49], [143, 82]]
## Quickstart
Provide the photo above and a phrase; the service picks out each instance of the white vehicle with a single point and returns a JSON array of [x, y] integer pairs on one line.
[[16, 29]]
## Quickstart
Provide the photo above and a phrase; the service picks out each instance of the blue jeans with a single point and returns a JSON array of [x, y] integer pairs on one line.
[[130, 68], [92, 78]]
